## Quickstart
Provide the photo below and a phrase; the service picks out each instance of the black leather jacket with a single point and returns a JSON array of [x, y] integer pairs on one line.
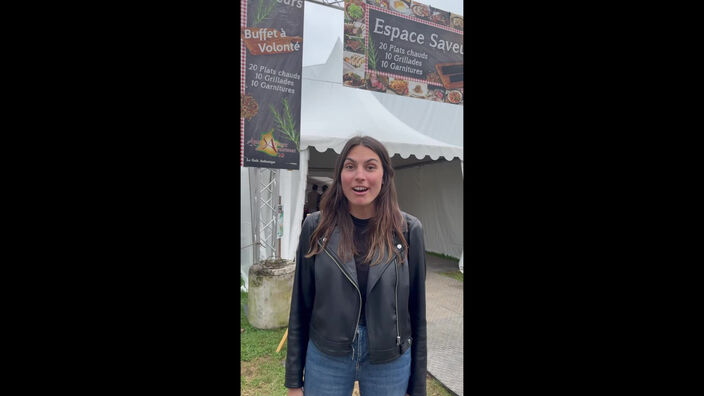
[[326, 303]]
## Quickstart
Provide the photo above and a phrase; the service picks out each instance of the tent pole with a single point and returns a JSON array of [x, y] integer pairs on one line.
[[461, 264], [278, 240]]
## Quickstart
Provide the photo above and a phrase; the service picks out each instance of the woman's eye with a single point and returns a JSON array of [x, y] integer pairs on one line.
[[371, 167]]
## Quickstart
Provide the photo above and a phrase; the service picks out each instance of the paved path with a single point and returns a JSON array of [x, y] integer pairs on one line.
[[444, 315]]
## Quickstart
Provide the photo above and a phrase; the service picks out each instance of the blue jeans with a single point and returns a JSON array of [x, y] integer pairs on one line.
[[327, 375]]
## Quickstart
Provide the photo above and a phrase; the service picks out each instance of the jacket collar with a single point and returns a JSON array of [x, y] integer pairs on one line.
[[349, 266]]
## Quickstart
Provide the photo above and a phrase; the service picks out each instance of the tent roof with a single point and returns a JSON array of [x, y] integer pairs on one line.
[[332, 113], [320, 180]]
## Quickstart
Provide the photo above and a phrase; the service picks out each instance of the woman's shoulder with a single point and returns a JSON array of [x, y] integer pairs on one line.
[[311, 220], [411, 220]]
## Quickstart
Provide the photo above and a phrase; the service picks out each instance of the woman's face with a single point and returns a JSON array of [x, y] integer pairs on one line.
[[361, 178]]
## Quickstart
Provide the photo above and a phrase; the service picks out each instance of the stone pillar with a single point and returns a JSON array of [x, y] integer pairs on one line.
[[269, 293]]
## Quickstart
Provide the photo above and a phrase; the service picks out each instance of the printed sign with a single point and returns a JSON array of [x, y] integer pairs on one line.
[[271, 57], [404, 48]]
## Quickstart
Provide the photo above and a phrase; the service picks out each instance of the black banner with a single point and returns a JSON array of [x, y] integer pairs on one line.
[[404, 48], [409, 49], [270, 105]]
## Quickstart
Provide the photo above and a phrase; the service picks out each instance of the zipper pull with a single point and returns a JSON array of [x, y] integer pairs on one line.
[[398, 340]]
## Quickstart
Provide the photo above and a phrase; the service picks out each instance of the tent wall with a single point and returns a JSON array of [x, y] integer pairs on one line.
[[293, 188], [433, 193], [246, 247]]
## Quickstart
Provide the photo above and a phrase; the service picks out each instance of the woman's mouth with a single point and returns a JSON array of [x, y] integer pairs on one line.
[[360, 190]]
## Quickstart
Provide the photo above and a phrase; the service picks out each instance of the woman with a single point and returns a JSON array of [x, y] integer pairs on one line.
[[358, 302]]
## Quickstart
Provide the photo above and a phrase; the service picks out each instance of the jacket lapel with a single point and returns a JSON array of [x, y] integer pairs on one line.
[[348, 266], [376, 271]]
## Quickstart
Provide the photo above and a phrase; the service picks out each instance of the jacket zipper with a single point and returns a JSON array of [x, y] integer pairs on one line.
[[398, 335], [359, 313]]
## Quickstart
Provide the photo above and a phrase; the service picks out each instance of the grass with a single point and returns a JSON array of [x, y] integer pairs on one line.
[[444, 256], [435, 388], [454, 275], [451, 274], [262, 370]]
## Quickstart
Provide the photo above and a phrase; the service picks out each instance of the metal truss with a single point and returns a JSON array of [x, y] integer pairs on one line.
[[264, 191]]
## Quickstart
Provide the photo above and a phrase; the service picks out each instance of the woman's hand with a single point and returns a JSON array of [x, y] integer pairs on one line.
[[297, 392]]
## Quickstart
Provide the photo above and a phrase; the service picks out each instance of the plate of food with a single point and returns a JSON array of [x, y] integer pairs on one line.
[[440, 17], [456, 21], [418, 90], [381, 3], [400, 6], [351, 79], [377, 83], [248, 107], [355, 61], [454, 96], [436, 95], [354, 29], [420, 10], [399, 86], [354, 44], [354, 12]]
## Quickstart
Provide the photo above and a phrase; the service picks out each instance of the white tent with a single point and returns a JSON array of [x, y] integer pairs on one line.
[[429, 172]]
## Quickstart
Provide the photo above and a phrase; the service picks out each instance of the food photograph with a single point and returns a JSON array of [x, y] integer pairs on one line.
[[439, 16], [454, 96], [355, 29], [379, 3], [377, 83], [420, 10], [456, 21], [417, 90], [353, 62], [400, 6], [354, 44], [436, 94], [399, 87], [352, 79], [248, 107], [354, 12]]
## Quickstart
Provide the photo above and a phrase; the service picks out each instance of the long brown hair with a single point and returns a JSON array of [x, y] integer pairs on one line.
[[335, 211]]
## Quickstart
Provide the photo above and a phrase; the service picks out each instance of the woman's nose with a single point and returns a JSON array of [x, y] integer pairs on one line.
[[359, 174]]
